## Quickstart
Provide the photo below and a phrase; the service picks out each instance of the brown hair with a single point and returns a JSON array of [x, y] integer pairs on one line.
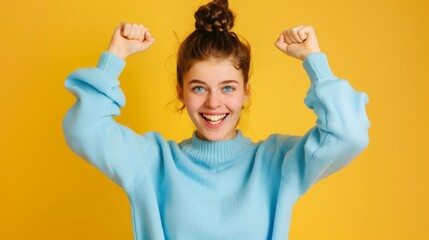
[[212, 39]]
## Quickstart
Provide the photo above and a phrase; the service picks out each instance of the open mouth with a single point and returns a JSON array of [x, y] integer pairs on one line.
[[214, 119]]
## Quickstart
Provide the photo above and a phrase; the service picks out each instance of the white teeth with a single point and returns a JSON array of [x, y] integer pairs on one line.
[[215, 119]]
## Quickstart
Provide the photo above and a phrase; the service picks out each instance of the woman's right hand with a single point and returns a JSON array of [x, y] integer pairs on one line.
[[130, 38]]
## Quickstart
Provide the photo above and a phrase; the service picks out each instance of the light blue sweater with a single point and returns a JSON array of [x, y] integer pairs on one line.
[[203, 190]]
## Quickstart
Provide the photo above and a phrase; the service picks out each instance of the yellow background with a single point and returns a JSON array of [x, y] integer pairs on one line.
[[380, 47]]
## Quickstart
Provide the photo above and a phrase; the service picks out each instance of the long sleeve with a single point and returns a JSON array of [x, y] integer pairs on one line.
[[341, 130], [92, 133]]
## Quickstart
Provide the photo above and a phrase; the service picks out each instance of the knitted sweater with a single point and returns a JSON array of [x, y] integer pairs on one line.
[[195, 189]]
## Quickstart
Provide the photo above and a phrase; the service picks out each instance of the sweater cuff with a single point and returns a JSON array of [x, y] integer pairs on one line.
[[317, 67], [111, 64]]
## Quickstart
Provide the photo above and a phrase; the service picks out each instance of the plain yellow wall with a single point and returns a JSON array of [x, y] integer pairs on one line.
[[380, 47]]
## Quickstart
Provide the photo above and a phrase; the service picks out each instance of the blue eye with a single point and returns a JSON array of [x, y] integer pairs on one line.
[[199, 89], [228, 89]]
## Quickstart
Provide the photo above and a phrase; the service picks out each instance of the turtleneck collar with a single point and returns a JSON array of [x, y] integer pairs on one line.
[[215, 154]]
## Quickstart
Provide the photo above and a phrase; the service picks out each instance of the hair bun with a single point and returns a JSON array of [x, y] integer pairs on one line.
[[214, 17]]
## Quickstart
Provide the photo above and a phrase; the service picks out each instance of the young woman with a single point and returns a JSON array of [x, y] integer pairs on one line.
[[217, 184]]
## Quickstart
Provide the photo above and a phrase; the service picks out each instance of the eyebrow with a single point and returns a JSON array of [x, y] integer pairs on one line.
[[196, 81]]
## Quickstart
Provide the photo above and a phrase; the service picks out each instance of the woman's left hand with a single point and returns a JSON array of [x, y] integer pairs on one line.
[[298, 42]]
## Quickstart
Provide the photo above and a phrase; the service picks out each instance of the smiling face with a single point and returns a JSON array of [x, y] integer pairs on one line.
[[214, 93]]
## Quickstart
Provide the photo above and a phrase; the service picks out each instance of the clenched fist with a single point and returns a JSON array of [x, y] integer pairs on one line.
[[298, 42], [130, 38]]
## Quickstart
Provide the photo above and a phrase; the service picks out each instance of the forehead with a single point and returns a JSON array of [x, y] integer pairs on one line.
[[214, 71]]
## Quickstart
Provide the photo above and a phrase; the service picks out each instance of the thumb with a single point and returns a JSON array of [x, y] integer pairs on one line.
[[117, 31], [281, 44]]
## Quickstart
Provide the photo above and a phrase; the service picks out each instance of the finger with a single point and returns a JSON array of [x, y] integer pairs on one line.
[[146, 35], [149, 40], [149, 37], [133, 32], [307, 32], [295, 35], [140, 33], [126, 28], [302, 34], [311, 42], [288, 37]]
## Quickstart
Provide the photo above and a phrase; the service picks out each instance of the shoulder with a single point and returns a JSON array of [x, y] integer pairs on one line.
[[157, 138], [278, 142]]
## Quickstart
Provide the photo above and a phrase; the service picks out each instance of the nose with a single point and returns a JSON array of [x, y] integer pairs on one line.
[[213, 100]]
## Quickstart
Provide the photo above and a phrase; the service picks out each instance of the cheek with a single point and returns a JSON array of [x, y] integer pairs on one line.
[[236, 104], [192, 103]]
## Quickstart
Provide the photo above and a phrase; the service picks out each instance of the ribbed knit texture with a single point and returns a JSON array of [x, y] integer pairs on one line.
[[111, 64], [197, 189], [317, 68], [215, 155]]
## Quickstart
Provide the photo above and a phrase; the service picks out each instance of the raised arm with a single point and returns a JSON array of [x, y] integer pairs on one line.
[[341, 130], [89, 128]]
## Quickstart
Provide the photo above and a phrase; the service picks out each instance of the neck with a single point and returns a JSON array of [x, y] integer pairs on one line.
[[215, 154], [226, 138]]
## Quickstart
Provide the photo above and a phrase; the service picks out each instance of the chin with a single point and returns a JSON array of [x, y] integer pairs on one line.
[[213, 137]]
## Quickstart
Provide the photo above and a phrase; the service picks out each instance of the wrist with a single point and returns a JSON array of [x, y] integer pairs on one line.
[[309, 53], [118, 52]]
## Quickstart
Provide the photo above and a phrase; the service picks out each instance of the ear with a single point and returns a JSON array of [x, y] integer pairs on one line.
[[246, 92], [179, 90]]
